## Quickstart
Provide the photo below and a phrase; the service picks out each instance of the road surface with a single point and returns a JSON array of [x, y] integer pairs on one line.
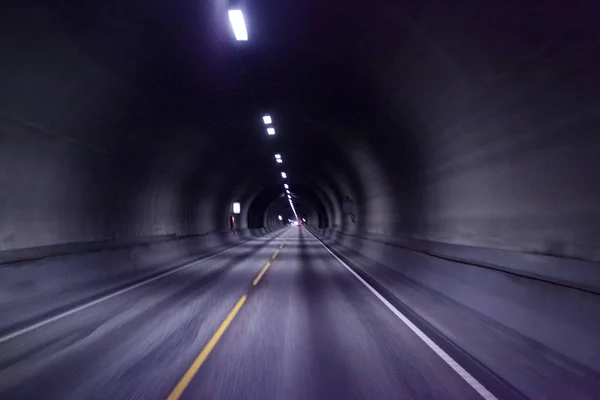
[[276, 318]]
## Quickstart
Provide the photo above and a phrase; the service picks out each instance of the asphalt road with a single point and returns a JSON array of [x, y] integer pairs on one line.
[[308, 329]]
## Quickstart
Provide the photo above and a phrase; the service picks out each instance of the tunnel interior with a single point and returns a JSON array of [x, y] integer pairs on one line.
[[121, 120], [450, 128]]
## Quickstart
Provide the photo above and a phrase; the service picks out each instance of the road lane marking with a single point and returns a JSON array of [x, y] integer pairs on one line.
[[199, 361], [275, 254], [261, 273], [143, 282], [191, 372], [466, 376], [109, 296]]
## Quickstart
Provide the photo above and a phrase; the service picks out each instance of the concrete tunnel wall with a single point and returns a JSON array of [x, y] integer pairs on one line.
[[507, 150], [83, 155], [504, 150], [505, 155]]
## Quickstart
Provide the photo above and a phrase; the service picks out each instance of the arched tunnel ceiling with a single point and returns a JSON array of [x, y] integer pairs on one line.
[[150, 113]]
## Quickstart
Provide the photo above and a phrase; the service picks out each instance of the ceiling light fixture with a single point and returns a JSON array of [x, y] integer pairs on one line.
[[236, 18]]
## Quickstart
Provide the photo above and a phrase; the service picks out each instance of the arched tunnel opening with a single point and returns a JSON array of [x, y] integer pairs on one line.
[[271, 203], [418, 191]]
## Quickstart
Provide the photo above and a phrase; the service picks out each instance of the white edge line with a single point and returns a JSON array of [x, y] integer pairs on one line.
[[109, 296], [474, 383]]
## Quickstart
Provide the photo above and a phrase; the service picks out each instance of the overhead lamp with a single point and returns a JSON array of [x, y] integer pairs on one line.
[[277, 155], [283, 175], [280, 217], [271, 131], [279, 160], [286, 186], [287, 191], [236, 18], [236, 208], [267, 119]]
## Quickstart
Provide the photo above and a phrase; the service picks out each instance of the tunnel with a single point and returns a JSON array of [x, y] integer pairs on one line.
[[229, 199]]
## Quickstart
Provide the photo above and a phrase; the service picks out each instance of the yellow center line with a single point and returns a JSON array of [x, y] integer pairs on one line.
[[191, 372], [189, 375], [261, 273], [275, 254]]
